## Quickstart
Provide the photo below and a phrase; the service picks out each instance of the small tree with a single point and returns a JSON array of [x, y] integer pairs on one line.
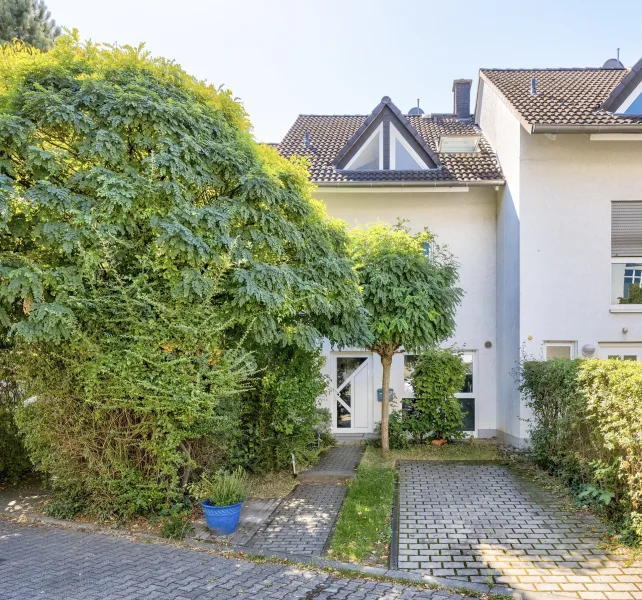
[[29, 21], [409, 289], [437, 377]]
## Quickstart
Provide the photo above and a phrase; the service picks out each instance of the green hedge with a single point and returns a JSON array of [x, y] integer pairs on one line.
[[587, 429]]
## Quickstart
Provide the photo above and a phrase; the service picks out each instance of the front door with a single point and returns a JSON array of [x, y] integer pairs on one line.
[[352, 393]]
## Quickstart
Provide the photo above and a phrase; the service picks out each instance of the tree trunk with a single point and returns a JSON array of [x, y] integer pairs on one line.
[[386, 361]]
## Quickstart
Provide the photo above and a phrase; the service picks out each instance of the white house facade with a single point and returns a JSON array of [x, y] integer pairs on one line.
[[537, 192]]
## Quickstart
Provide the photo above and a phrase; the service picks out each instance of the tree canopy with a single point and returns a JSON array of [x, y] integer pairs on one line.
[[408, 286], [29, 21], [108, 151]]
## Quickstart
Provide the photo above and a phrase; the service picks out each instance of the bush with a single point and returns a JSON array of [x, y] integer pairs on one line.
[[112, 414], [14, 461], [280, 414], [587, 430], [436, 413]]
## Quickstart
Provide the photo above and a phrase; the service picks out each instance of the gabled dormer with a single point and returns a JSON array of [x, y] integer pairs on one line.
[[626, 98], [386, 141]]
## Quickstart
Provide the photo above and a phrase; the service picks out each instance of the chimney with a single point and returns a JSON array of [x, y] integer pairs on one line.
[[461, 90]]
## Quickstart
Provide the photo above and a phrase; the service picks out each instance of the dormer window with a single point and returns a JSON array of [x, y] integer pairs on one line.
[[458, 144], [370, 157], [633, 104], [386, 141]]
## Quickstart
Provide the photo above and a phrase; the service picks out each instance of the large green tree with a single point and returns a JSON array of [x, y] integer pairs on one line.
[[409, 288], [29, 21], [145, 240]]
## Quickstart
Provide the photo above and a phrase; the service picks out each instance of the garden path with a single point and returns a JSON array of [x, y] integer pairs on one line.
[[301, 523], [477, 522]]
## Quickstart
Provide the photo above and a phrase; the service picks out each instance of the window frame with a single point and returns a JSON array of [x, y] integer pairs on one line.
[[563, 343], [396, 136], [473, 395], [459, 137], [616, 308], [360, 150]]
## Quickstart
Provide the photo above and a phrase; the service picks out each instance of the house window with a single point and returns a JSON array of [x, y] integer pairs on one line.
[[559, 350], [370, 156], [466, 396], [626, 255], [457, 145], [409, 362]]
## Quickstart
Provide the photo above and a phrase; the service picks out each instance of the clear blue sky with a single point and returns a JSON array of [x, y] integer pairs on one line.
[[285, 57]]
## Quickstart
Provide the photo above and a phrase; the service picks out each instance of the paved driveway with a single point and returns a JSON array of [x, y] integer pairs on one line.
[[472, 522], [44, 562]]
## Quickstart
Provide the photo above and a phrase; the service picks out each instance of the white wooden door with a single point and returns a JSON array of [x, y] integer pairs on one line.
[[352, 393]]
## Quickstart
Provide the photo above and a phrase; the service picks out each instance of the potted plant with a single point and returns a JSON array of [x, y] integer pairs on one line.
[[222, 497]]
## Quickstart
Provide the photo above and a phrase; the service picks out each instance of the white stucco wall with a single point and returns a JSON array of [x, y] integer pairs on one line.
[[567, 186], [466, 222], [503, 131]]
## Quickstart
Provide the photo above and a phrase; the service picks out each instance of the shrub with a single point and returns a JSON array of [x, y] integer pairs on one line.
[[112, 414], [586, 429], [436, 413], [280, 412], [14, 461]]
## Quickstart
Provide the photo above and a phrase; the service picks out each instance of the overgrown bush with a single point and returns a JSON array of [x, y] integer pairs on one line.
[[587, 429], [436, 413], [112, 414], [148, 246], [14, 461], [280, 413]]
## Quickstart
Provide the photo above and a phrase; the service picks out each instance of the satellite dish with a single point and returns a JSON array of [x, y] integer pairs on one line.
[[613, 63]]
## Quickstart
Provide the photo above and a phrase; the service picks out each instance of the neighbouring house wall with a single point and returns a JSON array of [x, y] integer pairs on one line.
[[466, 222], [567, 186], [503, 130]]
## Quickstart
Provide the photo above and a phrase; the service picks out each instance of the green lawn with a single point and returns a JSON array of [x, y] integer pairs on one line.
[[363, 530]]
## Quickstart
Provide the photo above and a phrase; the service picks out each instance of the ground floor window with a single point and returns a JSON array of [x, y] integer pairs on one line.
[[466, 396], [559, 350]]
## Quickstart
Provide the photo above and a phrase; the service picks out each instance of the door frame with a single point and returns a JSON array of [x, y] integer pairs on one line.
[[333, 391]]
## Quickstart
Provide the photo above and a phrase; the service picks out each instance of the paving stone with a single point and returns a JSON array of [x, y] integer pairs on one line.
[[56, 564], [479, 521], [303, 522]]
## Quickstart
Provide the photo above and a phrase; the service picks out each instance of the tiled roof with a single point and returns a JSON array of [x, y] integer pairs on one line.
[[564, 96], [330, 133]]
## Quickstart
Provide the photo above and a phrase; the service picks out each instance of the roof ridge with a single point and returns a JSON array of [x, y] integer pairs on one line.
[[553, 69]]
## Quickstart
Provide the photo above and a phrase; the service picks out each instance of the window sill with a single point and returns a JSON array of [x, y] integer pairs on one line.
[[626, 308]]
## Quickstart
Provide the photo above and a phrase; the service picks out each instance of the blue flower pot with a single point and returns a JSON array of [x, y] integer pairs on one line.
[[222, 520]]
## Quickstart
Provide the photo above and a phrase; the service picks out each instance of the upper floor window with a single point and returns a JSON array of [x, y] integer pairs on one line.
[[402, 157], [456, 144], [626, 255]]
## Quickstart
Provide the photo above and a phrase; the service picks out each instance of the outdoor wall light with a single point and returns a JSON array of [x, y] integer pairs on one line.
[[588, 350]]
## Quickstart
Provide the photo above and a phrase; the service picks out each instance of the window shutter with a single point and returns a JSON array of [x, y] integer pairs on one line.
[[626, 228]]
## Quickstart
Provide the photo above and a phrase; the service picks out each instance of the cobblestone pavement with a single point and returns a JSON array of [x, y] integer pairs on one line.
[[303, 522], [43, 562], [471, 522], [340, 458]]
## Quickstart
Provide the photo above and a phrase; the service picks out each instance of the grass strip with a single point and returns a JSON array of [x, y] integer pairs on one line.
[[363, 528]]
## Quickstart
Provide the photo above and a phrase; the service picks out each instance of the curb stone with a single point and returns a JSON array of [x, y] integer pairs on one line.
[[400, 576]]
